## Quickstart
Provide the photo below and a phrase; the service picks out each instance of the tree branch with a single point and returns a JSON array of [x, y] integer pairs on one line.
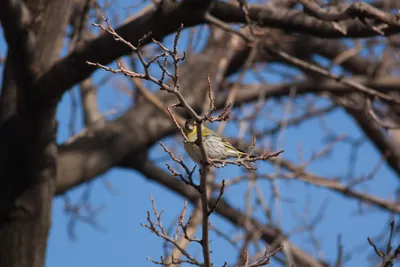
[[73, 69], [295, 21]]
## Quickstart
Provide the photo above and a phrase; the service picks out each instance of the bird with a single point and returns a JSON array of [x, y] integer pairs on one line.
[[215, 146]]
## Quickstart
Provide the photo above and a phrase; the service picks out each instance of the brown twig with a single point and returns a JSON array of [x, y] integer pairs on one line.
[[221, 192], [178, 120], [189, 173], [266, 257], [243, 161], [339, 258], [185, 231], [387, 257], [375, 117], [157, 228]]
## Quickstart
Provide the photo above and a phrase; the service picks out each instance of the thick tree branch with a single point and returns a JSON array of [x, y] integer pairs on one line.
[[382, 84], [161, 22], [117, 137], [302, 175], [295, 21], [358, 10], [104, 49]]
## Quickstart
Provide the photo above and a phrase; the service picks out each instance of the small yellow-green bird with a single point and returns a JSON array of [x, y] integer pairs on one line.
[[216, 147]]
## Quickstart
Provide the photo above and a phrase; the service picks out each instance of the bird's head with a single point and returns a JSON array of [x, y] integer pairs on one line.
[[190, 126]]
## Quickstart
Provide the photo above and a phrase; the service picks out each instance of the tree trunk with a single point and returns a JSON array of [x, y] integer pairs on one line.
[[28, 154]]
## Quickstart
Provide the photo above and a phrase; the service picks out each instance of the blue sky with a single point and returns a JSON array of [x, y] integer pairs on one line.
[[122, 241]]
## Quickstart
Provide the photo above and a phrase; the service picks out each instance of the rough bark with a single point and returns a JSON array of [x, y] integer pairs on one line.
[[28, 132]]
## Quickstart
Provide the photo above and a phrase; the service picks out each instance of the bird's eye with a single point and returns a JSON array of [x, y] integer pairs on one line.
[[188, 126]]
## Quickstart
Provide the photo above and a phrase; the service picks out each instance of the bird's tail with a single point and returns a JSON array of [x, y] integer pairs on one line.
[[244, 154]]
